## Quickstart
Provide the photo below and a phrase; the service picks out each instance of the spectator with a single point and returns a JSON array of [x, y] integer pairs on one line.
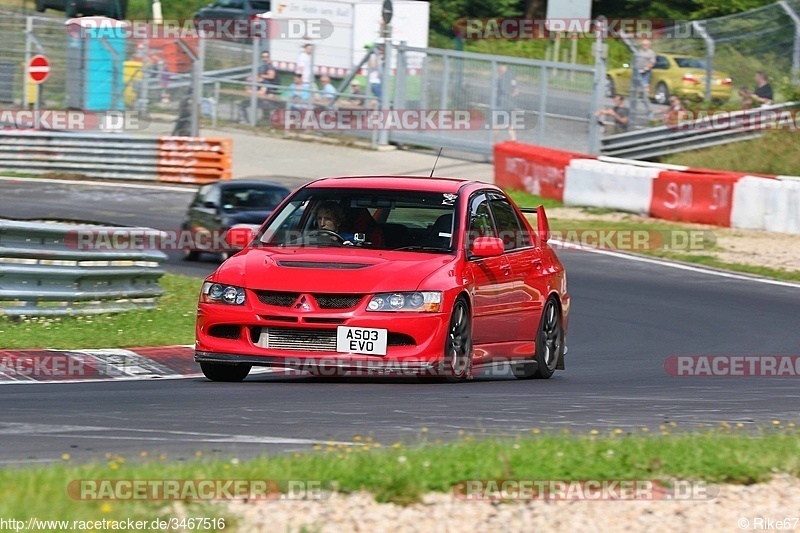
[[298, 93], [357, 95], [303, 63], [763, 93], [619, 113], [507, 91], [675, 114], [374, 75], [643, 62], [244, 105], [267, 74], [328, 91]]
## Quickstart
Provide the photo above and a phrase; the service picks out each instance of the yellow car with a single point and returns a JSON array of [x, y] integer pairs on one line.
[[684, 76]]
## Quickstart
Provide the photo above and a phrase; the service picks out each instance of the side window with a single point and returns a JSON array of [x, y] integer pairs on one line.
[[480, 220], [202, 193], [511, 228], [661, 63], [213, 196]]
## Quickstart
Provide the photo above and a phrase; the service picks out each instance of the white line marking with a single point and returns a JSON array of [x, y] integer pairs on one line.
[[103, 184], [679, 266], [149, 377]]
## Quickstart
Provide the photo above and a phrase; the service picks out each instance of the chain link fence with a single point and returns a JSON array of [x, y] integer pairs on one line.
[[530, 101], [728, 50]]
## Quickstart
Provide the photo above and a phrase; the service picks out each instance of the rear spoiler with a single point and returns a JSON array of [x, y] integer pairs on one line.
[[542, 225]]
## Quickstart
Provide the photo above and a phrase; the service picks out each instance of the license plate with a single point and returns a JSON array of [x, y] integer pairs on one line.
[[368, 341]]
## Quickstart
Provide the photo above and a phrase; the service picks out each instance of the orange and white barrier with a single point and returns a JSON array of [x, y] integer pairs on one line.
[[716, 197]]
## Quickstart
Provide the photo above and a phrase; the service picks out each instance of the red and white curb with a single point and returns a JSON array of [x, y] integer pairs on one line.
[[81, 366]]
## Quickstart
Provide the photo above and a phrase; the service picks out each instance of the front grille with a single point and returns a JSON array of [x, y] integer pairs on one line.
[[306, 340], [278, 299], [323, 264], [324, 301], [337, 301], [309, 340]]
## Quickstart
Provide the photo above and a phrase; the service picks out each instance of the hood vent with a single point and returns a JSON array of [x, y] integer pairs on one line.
[[323, 264]]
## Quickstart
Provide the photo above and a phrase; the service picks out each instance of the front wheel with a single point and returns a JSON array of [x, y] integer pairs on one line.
[[458, 349], [549, 346], [661, 95], [227, 373]]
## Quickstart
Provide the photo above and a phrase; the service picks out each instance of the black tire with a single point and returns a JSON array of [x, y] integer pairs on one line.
[[191, 255], [661, 96], [549, 346], [223, 256], [610, 89], [227, 373], [458, 348]]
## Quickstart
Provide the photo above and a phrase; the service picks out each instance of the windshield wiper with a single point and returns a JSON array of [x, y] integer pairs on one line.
[[418, 248]]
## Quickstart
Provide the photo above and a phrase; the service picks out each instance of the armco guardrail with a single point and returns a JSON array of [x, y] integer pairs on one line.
[[717, 197], [170, 159], [662, 140], [44, 272]]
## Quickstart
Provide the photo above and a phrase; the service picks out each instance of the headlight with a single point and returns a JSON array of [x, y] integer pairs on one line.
[[421, 302], [217, 292]]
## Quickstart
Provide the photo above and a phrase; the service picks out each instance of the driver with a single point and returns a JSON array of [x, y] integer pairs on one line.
[[330, 217]]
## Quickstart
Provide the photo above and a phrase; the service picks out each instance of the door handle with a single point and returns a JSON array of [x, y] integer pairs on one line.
[[537, 263]]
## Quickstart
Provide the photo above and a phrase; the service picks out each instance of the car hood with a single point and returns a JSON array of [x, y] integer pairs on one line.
[[337, 270]]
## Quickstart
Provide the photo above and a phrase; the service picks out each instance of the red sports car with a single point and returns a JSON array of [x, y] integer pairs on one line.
[[388, 275]]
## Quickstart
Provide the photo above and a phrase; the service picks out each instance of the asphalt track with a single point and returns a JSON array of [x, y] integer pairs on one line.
[[628, 316]]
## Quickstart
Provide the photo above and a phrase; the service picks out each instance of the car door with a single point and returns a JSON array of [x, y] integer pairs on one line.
[[492, 284], [527, 272], [204, 212]]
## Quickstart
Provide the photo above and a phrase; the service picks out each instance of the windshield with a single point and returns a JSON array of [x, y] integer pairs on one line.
[[252, 198], [690, 62], [376, 219]]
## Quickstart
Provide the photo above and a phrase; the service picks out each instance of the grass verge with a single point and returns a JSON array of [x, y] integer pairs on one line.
[[402, 474], [774, 153], [172, 323]]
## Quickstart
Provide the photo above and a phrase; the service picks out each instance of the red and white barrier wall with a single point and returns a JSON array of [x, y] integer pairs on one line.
[[671, 192]]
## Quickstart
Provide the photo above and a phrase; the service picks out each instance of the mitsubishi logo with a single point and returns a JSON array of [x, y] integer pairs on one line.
[[302, 304]]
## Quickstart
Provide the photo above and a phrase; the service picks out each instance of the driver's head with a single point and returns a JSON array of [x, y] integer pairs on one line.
[[330, 216]]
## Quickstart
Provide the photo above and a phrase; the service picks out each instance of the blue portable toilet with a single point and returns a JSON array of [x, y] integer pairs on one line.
[[96, 63]]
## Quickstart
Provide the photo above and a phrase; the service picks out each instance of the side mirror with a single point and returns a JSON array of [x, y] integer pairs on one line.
[[542, 226], [240, 235], [209, 204], [487, 247]]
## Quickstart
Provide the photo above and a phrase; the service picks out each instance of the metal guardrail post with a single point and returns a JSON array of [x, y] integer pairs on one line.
[[386, 83], [444, 95], [254, 57], [493, 104], [709, 56], [215, 108], [598, 87], [796, 49], [541, 126]]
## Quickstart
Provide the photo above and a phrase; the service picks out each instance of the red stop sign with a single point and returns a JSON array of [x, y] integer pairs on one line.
[[39, 68]]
